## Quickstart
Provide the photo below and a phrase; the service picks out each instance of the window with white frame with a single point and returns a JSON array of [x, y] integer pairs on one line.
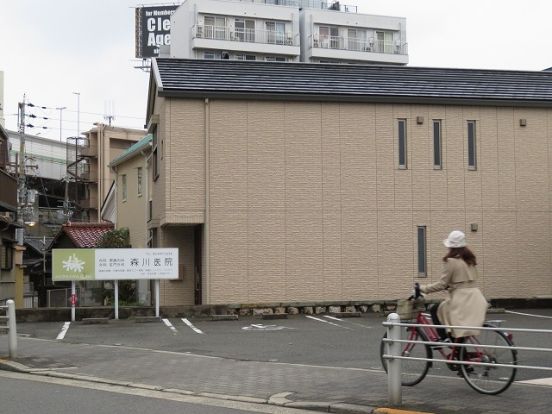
[[472, 146], [214, 27], [328, 37], [275, 59], [276, 32], [437, 145], [384, 42], [402, 143], [356, 40], [244, 30]]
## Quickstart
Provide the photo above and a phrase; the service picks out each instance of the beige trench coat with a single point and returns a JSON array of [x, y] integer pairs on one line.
[[465, 304]]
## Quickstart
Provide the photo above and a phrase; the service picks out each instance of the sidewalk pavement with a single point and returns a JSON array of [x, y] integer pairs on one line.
[[323, 389]]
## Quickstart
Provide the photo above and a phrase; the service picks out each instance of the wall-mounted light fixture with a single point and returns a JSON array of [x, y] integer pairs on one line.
[[420, 120], [473, 226], [523, 122]]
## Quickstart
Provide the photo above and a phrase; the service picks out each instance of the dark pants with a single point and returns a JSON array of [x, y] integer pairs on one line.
[[433, 311]]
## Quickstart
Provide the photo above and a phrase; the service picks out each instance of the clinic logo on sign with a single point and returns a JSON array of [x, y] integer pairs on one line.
[[73, 264]]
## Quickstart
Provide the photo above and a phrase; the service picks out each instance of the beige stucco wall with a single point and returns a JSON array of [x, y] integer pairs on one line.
[[306, 201], [132, 212]]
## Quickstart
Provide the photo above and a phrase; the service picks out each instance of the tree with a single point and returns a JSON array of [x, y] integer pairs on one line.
[[119, 238]]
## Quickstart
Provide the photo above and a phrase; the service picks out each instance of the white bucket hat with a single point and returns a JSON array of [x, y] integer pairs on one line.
[[456, 238]]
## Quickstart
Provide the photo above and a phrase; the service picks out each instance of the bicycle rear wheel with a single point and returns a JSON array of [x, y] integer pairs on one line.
[[412, 371], [488, 379]]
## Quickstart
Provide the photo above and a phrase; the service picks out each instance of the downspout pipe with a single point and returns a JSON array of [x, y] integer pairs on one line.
[[206, 291]]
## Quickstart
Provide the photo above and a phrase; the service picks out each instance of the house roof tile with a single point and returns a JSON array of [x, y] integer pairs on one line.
[[339, 82], [86, 234]]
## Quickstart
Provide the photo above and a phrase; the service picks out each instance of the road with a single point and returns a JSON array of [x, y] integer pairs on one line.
[[31, 394], [310, 340]]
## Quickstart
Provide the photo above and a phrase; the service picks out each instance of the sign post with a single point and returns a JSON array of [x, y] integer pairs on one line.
[[156, 283], [116, 298], [73, 300]]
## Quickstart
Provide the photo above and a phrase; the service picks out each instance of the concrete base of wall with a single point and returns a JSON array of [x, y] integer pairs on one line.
[[252, 309]]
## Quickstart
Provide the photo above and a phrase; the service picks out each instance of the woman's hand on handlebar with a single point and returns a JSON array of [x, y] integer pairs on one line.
[[417, 291]]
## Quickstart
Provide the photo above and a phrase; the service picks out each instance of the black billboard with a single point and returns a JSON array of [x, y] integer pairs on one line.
[[153, 29]]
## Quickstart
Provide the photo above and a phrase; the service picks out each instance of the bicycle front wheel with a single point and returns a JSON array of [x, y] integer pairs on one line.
[[488, 379], [412, 371]]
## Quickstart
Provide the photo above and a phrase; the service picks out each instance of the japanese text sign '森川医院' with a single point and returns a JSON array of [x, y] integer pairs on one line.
[[114, 264]]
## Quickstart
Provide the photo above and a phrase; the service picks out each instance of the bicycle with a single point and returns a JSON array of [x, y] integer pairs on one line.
[[485, 379]]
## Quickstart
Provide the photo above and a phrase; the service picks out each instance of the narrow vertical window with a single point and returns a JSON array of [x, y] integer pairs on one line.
[[437, 148], [124, 186], [155, 155], [139, 181], [402, 143], [422, 251], [472, 145]]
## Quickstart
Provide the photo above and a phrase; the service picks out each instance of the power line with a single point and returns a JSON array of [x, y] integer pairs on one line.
[[83, 112]]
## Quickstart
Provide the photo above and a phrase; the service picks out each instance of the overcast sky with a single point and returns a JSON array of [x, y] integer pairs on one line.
[[52, 48]]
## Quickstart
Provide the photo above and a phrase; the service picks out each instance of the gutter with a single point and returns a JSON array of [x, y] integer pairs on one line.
[[286, 96]]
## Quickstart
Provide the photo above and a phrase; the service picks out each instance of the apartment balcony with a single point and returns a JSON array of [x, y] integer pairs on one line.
[[8, 195], [355, 49], [249, 40], [90, 150]]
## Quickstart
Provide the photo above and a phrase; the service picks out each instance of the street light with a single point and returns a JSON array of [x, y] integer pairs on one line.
[[60, 109]]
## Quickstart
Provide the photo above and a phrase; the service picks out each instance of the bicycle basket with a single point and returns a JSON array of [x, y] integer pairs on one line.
[[408, 309]]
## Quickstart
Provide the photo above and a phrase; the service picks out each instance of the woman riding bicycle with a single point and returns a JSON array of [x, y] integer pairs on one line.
[[465, 304]]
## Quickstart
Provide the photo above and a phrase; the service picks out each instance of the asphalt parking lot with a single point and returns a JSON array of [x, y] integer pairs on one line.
[[320, 340]]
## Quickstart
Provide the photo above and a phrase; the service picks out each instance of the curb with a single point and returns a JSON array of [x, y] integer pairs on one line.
[[279, 399]]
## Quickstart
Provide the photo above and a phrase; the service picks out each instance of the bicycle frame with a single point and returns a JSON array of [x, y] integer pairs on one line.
[[424, 318]]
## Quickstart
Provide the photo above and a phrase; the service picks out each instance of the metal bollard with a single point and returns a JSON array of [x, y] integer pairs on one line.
[[394, 365], [12, 332]]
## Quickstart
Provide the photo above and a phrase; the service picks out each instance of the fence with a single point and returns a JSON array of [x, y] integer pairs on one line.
[[61, 298], [394, 356], [10, 326]]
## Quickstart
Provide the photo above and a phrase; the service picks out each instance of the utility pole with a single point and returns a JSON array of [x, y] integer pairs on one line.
[[21, 187], [60, 109]]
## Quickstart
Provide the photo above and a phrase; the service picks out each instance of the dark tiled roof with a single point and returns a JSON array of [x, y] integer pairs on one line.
[[86, 234], [272, 80], [37, 243]]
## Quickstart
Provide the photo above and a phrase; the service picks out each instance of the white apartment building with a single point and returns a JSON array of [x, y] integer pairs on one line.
[[285, 31], [332, 36]]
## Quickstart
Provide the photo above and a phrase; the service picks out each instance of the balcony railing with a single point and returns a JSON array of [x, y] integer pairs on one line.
[[91, 150], [359, 45], [306, 4], [247, 35]]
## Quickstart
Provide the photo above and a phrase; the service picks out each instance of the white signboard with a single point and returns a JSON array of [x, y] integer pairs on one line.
[[115, 264]]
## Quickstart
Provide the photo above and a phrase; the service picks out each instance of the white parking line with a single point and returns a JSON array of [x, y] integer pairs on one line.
[[539, 381], [529, 314], [196, 330], [169, 325], [63, 331], [322, 320], [354, 323]]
